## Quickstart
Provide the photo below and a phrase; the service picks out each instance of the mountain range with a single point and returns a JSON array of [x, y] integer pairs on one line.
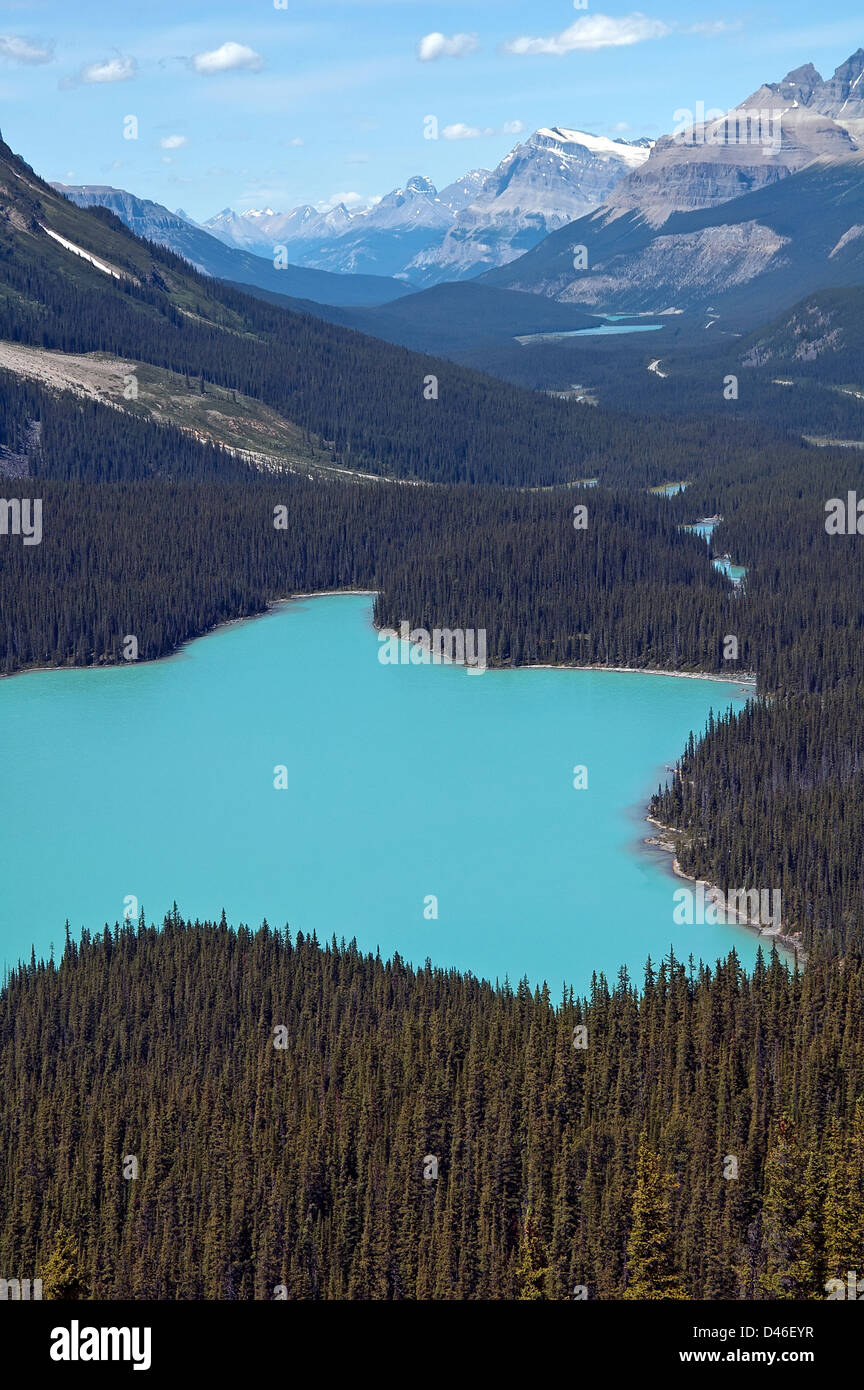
[[483, 219], [381, 240], [88, 307], [416, 233], [780, 128], [212, 257], [730, 217], [737, 262], [733, 217]]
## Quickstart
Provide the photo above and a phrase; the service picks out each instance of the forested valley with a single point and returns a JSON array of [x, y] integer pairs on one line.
[[149, 533]]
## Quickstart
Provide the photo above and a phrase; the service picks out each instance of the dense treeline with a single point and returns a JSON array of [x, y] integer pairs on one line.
[[168, 561], [774, 796], [803, 585], [80, 439], [307, 1164]]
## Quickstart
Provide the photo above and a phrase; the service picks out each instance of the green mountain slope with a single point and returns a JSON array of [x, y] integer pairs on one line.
[[78, 281]]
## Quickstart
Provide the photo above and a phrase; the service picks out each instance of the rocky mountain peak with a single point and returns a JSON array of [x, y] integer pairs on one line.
[[421, 186]]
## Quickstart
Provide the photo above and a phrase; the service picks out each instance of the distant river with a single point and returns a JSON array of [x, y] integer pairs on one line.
[[405, 784]]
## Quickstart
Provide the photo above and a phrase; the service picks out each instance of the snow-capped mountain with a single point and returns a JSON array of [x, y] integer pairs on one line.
[[376, 240], [260, 229], [544, 183], [425, 235]]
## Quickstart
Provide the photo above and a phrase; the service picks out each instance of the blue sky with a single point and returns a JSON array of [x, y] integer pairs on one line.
[[250, 105]]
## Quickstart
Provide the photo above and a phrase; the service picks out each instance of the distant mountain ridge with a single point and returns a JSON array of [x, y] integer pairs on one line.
[[483, 219], [380, 240], [551, 179], [211, 256], [743, 260], [780, 128]]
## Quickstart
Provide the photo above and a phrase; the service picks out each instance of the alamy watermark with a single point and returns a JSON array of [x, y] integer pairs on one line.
[[851, 1288], [21, 516], [20, 1290], [442, 646], [845, 515], [77, 1343], [710, 908]]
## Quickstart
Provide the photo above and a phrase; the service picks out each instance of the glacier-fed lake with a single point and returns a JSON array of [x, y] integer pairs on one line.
[[407, 791]]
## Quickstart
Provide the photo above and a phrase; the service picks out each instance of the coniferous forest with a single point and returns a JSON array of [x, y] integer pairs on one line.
[[310, 1119]]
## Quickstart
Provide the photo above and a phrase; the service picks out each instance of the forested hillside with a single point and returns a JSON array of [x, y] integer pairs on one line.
[[706, 1142], [373, 404]]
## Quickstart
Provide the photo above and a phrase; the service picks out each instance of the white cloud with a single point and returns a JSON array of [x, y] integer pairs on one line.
[[592, 32], [119, 69], [296, 144], [433, 46], [174, 142], [25, 50], [474, 132], [228, 58]]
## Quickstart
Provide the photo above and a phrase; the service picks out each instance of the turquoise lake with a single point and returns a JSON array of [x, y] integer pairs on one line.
[[600, 331], [156, 781]]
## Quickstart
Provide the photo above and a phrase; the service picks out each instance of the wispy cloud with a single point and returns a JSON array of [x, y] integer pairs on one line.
[[592, 32], [173, 142], [433, 46], [119, 69], [25, 50], [711, 27], [229, 57], [474, 132]]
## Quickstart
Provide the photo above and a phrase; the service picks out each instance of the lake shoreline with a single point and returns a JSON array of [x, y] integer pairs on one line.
[[749, 679], [745, 679], [270, 606], [775, 935]]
